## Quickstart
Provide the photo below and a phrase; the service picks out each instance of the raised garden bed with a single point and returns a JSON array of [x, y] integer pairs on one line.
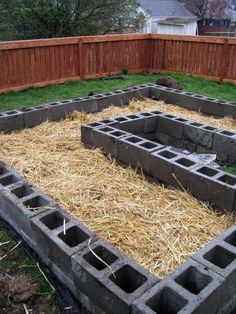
[[53, 233]]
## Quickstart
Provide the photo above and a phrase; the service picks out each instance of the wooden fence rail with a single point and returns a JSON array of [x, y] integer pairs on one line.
[[49, 61]]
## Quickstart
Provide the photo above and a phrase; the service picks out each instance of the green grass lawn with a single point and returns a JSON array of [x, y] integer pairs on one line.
[[15, 262], [36, 96]]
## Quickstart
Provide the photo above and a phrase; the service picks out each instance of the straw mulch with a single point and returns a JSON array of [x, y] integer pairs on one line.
[[156, 226]]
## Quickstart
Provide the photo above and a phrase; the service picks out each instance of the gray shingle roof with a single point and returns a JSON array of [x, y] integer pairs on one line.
[[166, 8]]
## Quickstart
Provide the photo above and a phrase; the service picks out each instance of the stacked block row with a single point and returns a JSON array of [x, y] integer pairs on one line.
[[101, 277], [15, 120], [179, 168], [185, 134], [195, 102]]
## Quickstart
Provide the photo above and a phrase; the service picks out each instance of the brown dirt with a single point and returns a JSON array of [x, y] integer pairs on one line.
[[17, 293], [169, 82]]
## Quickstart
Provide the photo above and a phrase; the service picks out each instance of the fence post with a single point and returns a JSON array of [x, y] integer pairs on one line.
[[81, 64], [223, 60]]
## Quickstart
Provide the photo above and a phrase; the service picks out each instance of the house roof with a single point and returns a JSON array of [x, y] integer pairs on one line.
[[166, 8]]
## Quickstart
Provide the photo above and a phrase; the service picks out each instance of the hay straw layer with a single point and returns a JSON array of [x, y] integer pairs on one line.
[[157, 227]]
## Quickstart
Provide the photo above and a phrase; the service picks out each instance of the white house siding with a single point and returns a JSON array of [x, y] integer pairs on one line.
[[185, 29]]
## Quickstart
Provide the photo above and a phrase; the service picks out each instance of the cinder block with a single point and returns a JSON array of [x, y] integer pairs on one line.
[[199, 134], [58, 111], [22, 202], [150, 121], [147, 136], [108, 99], [134, 124], [220, 257], [11, 121], [229, 110], [9, 179], [162, 138], [45, 224], [191, 288], [86, 104], [162, 166], [181, 170], [136, 151], [225, 142], [90, 265], [119, 285], [36, 115], [107, 138], [155, 92], [142, 91], [87, 133], [213, 186], [170, 125], [65, 241]]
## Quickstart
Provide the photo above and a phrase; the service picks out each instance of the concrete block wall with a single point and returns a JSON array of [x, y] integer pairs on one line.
[[16, 120], [101, 277], [204, 104], [124, 138]]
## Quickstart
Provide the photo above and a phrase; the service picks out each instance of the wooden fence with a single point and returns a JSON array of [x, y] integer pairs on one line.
[[49, 61]]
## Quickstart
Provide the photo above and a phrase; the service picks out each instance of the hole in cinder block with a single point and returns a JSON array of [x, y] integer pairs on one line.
[[128, 279], [220, 257], [196, 124], [108, 94], [8, 180], [231, 239], [133, 117], [207, 171], [3, 170], [210, 128], [65, 101], [11, 112], [35, 203], [185, 162], [167, 301], [106, 121], [228, 179], [95, 124], [40, 107], [22, 191], [133, 139], [104, 254], [74, 236], [121, 119], [156, 112], [53, 220], [146, 114], [193, 280], [106, 129], [181, 120], [117, 133], [167, 154], [26, 109], [227, 133], [148, 145], [169, 116], [54, 104], [77, 99]]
